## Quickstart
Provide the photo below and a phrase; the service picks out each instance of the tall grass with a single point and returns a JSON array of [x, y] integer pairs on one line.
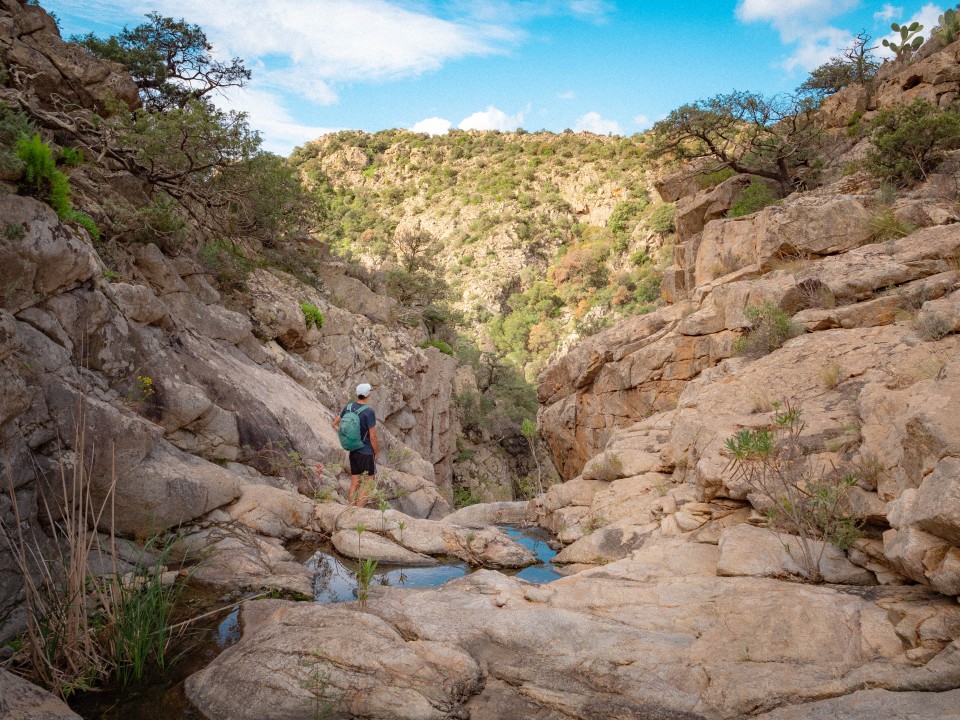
[[83, 627], [140, 612]]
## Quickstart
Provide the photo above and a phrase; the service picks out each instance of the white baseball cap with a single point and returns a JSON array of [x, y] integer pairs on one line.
[[363, 389]]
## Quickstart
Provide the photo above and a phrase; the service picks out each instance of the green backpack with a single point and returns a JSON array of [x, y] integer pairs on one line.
[[351, 437]]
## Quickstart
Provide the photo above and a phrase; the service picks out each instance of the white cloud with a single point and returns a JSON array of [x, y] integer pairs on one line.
[[643, 122], [793, 18], [567, 95], [432, 126], [267, 114], [817, 48], [888, 13], [592, 8], [324, 41], [928, 16], [592, 122], [492, 119]]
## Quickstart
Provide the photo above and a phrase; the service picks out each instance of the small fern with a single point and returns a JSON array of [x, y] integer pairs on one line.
[[40, 175]]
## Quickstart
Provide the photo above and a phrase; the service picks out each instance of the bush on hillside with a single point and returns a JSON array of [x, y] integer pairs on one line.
[[625, 217], [14, 124], [910, 141], [754, 197], [798, 497], [40, 175], [663, 218], [770, 328]]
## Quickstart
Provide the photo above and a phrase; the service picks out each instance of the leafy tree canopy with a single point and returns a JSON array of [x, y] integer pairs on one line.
[[747, 132], [170, 61]]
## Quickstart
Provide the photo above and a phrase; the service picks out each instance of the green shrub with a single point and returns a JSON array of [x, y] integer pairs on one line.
[[71, 156], [910, 141], [14, 125], [40, 175], [625, 217], [227, 262], [312, 315], [84, 221], [161, 223], [754, 197], [463, 497], [798, 497], [439, 345], [770, 328], [662, 218], [885, 225], [712, 179]]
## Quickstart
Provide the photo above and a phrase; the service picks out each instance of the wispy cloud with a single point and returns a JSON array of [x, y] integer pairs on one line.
[[816, 49], [492, 119], [567, 95], [317, 43], [802, 24], [267, 114], [792, 18], [643, 122], [888, 13], [593, 122], [596, 9], [432, 126]]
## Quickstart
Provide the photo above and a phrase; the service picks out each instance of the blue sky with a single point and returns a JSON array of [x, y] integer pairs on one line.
[[606, 66]]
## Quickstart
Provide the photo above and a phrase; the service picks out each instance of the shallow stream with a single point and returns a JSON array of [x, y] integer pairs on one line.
[[335, 580], [164, 699]]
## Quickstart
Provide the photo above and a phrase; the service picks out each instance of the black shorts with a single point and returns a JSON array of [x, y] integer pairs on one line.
[[361, 463]]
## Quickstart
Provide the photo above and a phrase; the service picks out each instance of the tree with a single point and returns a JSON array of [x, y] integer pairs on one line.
[[415, 250], [747, 132], [169, 61], [910, 141], [855, 65]]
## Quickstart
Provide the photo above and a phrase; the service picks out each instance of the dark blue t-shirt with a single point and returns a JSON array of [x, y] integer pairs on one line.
[[368, 419]]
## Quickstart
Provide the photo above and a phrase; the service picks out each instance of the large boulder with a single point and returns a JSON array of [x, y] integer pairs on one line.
[[20, 700], [297, 657]]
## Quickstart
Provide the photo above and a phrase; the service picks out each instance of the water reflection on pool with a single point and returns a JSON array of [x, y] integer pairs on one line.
[[335, 580]]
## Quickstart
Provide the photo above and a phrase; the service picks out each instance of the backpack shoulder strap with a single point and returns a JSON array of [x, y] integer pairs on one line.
[[358, 408]]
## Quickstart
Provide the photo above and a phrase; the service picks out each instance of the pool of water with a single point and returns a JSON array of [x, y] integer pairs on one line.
[[335, 579], [537, 540], [162, 697]]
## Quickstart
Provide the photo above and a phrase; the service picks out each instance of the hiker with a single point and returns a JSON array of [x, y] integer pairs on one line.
[[356, 427]]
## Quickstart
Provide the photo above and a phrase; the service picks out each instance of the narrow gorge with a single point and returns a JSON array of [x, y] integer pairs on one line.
[[736, 424]]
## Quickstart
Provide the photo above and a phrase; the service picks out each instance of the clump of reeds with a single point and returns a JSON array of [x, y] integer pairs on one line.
[[84, 627]]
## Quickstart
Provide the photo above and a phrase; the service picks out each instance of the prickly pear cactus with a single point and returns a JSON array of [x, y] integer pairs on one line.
[[910, 41]]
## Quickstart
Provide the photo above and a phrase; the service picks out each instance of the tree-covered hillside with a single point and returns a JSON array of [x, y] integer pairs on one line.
[[524, 239]]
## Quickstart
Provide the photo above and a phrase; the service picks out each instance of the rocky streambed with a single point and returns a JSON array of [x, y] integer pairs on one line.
[[333, 581]]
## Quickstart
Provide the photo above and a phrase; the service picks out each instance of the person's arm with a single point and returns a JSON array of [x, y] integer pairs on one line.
[[336, 420], [373, 441]]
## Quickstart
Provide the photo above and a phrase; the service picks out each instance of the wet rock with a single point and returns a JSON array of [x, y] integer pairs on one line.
[[235, 559], [360, 546], [485, 514]]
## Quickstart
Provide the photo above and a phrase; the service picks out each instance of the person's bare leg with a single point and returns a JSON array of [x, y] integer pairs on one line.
[[363, 492], [354, 487]]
